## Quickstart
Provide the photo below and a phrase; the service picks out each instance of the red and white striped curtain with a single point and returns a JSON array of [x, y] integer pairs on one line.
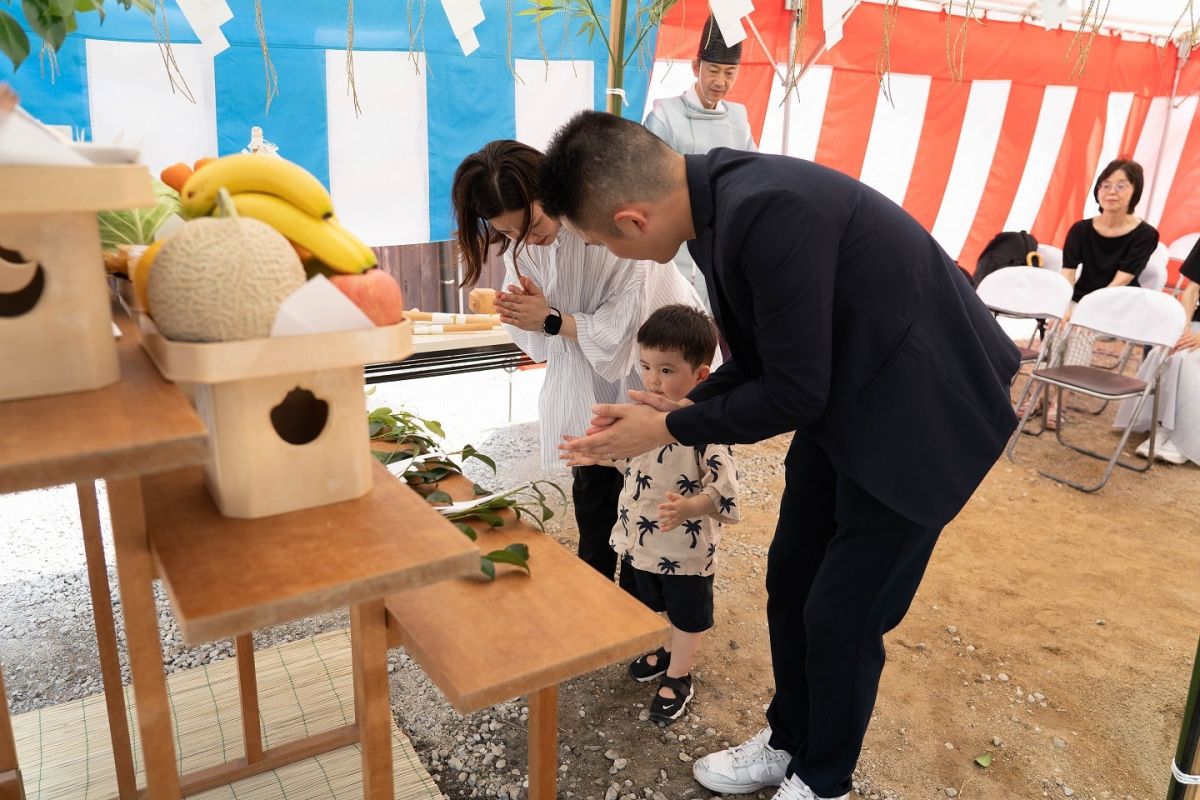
[[1015, 145]]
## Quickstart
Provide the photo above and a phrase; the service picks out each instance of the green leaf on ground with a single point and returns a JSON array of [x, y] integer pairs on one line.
[[984, 760]]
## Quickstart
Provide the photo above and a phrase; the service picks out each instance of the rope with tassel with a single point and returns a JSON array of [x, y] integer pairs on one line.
[[351, 86]]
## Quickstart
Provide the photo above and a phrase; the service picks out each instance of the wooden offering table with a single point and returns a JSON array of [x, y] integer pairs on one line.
[[226, 577], [561, 622], [139, 425]]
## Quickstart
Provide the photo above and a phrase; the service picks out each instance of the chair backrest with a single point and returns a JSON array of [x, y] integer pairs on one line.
[[1139, 315], [1026, 292], [1154, 276], [1052, 257]]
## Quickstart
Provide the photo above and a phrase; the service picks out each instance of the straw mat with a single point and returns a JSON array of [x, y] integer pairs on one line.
[[304, 687]]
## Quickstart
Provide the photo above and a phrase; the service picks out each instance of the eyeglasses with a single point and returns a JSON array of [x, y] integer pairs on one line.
[[1120, 186]]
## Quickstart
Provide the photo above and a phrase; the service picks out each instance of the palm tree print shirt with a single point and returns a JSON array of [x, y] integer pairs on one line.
[[691, 548]]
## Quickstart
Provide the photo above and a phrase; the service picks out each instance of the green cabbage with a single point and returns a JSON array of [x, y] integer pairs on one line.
[[138, 225]]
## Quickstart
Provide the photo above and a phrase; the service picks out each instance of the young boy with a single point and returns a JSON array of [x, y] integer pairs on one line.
[[672, 506]]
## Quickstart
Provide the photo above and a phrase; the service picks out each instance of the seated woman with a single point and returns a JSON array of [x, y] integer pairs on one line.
[[1178, 435], [1110, 249], [575, 306]]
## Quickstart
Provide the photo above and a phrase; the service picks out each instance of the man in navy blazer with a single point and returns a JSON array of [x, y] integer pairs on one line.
[[847, 324]]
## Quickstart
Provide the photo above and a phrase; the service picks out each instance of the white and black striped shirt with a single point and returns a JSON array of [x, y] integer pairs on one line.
[[609, 298]]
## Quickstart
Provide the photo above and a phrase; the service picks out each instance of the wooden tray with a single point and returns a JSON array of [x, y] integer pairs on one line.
[[223, 362]]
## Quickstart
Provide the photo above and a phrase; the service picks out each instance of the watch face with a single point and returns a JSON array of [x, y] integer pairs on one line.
[[552, 324]]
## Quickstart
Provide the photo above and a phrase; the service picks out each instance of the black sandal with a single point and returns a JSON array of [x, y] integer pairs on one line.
[[642, 671], [666, 710]]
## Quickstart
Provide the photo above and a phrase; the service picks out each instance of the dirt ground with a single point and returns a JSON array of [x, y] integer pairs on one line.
[[1054, 630]]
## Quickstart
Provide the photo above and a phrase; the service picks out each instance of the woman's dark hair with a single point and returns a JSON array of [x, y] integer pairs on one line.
[[501, 177], [1133, 170], [680, 329]]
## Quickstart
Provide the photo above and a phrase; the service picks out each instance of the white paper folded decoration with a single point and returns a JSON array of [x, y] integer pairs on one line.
[[206, 18], [464, 17], [318, 307], [831, 12], [728, 14], [1054, 13]]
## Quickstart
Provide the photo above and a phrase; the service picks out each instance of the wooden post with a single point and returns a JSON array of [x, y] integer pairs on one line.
[[616, 56], [248, 693], [106, 640], [10, 777], [1187, 754], [372, 705], [135, 573], [543, 743]]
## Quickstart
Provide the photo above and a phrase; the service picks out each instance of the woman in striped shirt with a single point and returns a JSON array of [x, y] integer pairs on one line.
[[574, 306]]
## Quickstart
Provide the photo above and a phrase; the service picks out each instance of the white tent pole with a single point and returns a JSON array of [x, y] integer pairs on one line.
[[1162, 143]]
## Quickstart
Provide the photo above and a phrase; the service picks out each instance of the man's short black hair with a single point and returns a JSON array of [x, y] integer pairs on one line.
[[680, 329], [597, 161]]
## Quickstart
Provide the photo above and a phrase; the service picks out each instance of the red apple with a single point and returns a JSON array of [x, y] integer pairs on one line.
[[376, 292]]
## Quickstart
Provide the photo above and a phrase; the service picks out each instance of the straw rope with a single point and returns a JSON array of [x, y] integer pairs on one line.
[[162, 35], [956, 41], [272, 78], [796, 57], [883, 56], [351, 85], [1092, 22], [304, 687]]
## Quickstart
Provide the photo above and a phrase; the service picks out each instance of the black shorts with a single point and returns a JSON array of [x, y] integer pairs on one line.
[[687, 599]]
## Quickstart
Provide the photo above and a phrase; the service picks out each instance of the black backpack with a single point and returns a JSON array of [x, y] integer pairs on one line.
[[1007, 249]]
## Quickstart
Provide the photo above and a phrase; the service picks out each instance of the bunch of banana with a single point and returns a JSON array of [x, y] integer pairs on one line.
[[286, 197]]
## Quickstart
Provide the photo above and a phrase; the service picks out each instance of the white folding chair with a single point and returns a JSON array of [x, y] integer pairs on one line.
[[1052, 257], [1154, 276], [1028, 293], [1137, 316]]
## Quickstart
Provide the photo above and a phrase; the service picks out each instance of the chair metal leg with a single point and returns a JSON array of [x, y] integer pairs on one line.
[[1114, 460]]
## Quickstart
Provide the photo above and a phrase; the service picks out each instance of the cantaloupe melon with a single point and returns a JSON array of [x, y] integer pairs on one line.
[[222, 280]]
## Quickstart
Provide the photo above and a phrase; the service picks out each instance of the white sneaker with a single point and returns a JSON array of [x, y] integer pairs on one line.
[[750, 766], [795, 789]]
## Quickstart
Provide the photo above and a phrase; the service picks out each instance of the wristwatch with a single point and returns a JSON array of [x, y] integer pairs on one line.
[[553, 322]]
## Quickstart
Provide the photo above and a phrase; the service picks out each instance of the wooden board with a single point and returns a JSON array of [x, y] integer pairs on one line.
[[483, 643], [432, 343], [229, 576], [139, 425], [220, 362], [33, 189]]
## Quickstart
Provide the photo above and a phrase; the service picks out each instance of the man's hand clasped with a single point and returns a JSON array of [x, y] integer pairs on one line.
[[622, 430]]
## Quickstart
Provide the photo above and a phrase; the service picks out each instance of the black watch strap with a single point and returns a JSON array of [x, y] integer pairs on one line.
[[553, 323]]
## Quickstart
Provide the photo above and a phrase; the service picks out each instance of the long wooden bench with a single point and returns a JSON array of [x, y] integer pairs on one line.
[[485, 642]]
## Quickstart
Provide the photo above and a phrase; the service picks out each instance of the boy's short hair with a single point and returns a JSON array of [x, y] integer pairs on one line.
[[681, 329]]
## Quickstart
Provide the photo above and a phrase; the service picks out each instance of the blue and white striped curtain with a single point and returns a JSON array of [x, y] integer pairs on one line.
[[389, 168]]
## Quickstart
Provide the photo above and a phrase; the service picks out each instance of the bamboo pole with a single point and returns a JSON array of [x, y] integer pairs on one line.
[[1187, 754], [616, 57]]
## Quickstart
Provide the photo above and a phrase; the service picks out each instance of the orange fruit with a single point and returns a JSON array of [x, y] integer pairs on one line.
[[201, 162], [176, 175], [140, 275]]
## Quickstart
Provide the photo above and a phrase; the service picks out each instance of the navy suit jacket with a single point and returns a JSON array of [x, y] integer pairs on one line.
[[845, 321]]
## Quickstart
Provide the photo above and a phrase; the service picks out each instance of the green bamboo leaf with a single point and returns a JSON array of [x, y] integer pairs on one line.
[[438, 497], [487, 567], [46, 22], [85, 6], [984, 760], [467, 530], [436, 427]]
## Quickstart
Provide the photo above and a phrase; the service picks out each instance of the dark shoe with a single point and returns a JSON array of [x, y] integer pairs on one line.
[[666, 710], [643, 671]]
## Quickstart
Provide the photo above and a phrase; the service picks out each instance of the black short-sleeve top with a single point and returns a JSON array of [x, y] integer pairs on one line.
[[1191, 271], [1103, 257]]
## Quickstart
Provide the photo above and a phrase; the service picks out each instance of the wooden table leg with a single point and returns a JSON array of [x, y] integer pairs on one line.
[[248, 693], [106, 640], [10, 777], [543, 743], [372, 707], [135, 574]]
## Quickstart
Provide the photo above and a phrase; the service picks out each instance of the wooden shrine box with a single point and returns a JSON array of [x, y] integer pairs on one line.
[[285, 416], [55, 318]]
